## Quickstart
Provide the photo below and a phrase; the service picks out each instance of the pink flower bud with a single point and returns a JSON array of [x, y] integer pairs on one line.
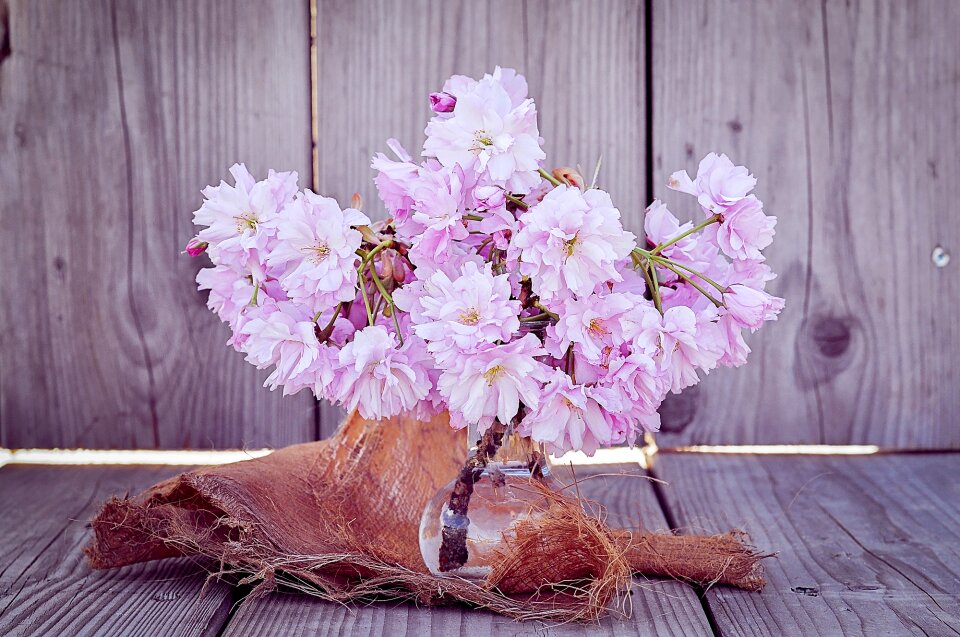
[[196, 247], [442, 102], [569, 176], [489, 197]]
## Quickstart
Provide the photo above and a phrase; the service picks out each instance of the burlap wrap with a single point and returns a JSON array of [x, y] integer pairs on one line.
[[339, 519]]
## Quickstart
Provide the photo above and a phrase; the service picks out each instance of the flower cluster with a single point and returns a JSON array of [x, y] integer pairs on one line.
[[496, 290]]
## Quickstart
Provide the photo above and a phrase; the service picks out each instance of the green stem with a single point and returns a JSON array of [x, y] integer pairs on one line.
[[368, 256], [536, 317], [366, 298], [388, 298], [664, 261], [651, 276], [699, 289], [472, 217], [326, 331], [683, 235], [553, 180], [552, 315], [256, 292], [520, 203]]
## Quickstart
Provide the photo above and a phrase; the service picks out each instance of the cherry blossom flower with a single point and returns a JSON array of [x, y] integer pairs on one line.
[[596, 324], [379, 377], [718, 185], [280, 334], [394, 181], [440, 198], [683, 343], [570, 242], [229, 293], [744, 229], [487, 130], [570, 416], [750, 307], [735, 349], [316, 251], [637, 378], [236, 217], [492, 382], [467, 312]]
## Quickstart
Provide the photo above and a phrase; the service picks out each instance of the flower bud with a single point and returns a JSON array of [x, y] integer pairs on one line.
[[196, 247], [442, 102], [569, 176], [489, 197], [356, 201], [399, 272]]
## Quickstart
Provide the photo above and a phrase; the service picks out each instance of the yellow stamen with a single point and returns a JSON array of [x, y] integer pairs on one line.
[[492, 374], [246, 221], [469, 317], [571, 244], [317, 253], [597, 328]]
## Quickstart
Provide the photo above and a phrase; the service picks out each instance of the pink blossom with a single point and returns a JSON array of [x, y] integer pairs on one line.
[[636, 377], [236, 217], [440, 198], [683, 342], [571, 416], [196, 247], [735, 349], [379, 378], [491, 383], [280, 334], [395, 181], [467, 312], [229, 292], [442, 102], [570, 242], [750, 307], [488, 131], [596, 324], [753, 273], [744, 229], [316, 251], [719, 183]]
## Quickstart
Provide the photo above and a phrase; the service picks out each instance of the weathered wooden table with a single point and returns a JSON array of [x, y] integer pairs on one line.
[[867, 545]]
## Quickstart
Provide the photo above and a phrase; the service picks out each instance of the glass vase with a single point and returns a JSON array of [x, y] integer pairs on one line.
[[469, 519]]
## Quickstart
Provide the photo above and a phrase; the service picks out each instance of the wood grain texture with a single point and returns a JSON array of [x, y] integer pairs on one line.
[[847, 113], [867, 545], [113, 116], [378, 61], [46, 587], [658, 607]]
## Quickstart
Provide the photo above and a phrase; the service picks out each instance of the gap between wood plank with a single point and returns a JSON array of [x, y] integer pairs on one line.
[[701, 593]]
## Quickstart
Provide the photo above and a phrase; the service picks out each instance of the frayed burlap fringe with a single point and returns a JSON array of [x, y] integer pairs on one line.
[[339, 519]]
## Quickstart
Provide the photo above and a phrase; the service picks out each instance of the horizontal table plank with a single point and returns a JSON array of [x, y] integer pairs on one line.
[[867, 545], [46, 586], [657, 607]]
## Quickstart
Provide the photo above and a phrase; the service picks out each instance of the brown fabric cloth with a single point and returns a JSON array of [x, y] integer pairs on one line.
[[339, 519]]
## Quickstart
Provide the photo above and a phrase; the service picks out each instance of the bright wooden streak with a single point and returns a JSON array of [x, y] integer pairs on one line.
[[782, 450]]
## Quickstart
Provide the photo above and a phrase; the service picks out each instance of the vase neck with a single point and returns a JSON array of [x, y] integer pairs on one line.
[[515, 453]]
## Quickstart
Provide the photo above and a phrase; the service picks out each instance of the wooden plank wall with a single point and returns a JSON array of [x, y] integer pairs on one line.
[[849, 115], [846, 111], [114, 115]]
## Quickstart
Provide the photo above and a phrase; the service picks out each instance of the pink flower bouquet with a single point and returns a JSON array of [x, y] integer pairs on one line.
[[497, 290]]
